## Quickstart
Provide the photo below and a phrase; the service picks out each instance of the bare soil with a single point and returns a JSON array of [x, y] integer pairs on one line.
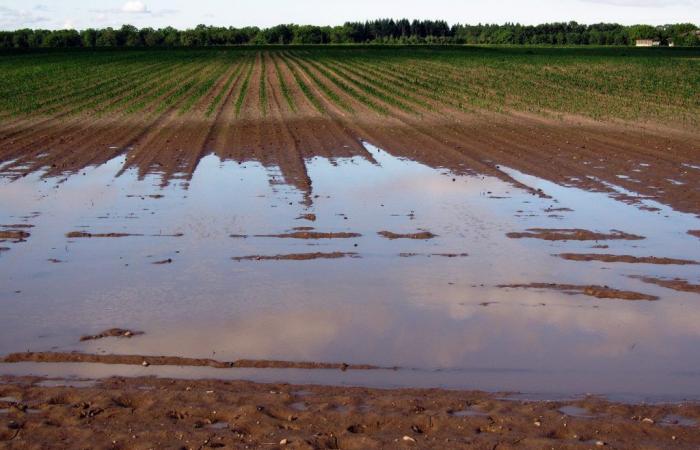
[[311, 235], [297, 256], [84, 234], [590, 290], [677, 284], [421, 235], [573, 234], [112, 332], [162, 413], [17, 235], [625, 259], [74, 357]]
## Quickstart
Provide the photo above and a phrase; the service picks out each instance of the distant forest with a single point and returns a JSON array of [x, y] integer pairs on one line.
[[384, 31]]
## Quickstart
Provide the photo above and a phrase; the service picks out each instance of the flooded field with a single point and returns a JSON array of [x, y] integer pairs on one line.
[[436, 277]]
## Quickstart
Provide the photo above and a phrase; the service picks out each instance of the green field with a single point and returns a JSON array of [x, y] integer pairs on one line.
[[624, 83]]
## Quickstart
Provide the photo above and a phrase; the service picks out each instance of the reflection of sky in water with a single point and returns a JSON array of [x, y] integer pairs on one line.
[[419, 312]]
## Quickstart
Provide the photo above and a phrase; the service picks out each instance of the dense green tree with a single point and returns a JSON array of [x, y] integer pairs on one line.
[[381, 31]]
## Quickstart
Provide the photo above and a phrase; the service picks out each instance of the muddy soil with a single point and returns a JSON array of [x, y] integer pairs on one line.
[[75, 357], [311, 235], [16, 235], [163, 413], [84, 234], [677, 284], [421, 235], [297, 256], [443, 255], [573, 234], [590, 290], [626, 259], [112, 332]]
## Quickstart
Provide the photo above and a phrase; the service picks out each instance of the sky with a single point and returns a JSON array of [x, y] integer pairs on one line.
[[80, 14]]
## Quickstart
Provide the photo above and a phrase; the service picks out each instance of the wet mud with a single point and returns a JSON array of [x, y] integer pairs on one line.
[[297, 256], [421, 235], [311, 235], [603, 292], [14, 235], [677, 284], [76, 357], [112, 332], [626, 259], [164, 413], [556, 234]]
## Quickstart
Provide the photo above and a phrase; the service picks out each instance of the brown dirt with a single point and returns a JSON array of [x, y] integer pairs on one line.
[[17, 235], [624, 259], [112, 332], [84, 234], [18, 225], [311, 235], [677, 284], [297, 256], [162, 413], [421, 235], [695, 233], [443, 255], [309, 217], [75, 357], [571, 234], [590, 290]]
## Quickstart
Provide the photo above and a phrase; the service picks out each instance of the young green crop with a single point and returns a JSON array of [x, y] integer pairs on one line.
[[657, 85], [283, 86], [244, 89], [263, 86], [304, 87]]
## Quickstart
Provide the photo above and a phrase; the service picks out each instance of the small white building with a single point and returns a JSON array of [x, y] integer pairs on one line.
[[647, 43]]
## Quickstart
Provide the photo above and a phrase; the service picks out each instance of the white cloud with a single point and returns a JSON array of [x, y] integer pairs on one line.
[[644, 3], [135, 7], [17, 18]]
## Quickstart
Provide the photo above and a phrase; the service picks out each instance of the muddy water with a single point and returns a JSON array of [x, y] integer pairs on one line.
[[400, 302]]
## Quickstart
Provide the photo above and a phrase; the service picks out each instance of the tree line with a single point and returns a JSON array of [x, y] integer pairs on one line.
[[383, 31]]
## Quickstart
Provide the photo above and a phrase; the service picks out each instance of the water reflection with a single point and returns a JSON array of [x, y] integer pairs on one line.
[[384, 309]]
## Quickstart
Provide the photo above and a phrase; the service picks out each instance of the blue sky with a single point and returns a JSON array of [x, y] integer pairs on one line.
[[188, 13]]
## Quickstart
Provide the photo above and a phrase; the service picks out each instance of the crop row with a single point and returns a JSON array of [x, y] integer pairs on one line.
[[386, 82]]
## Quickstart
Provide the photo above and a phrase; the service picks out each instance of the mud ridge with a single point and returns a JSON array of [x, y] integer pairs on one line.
[[311, 235], [16, 235], [75, 357], [572, 234], [297, 256], [677, 284], [603, 292], [421, 235], [112, 332], [625, 259]]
